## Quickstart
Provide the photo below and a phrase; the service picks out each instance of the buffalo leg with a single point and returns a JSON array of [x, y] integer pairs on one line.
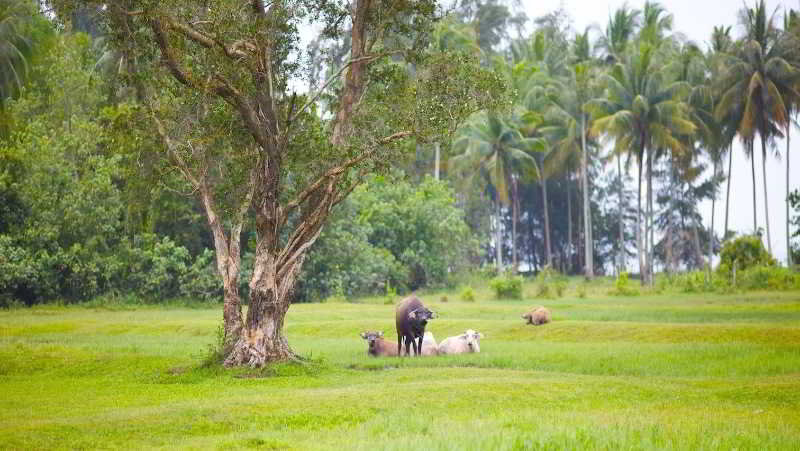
[[399, 345], [419, 346]]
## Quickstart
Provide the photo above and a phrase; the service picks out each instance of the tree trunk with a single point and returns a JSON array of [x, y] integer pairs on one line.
[[548, 248], [436, 160], [621, 255], [587, 214], [498, 242], [262, 339], [728, 194], [711, 231], [649, 229], [789, 262], [753, 170], [228, 256], [639, 250], [514, 221], [568, 256], [766, 199]]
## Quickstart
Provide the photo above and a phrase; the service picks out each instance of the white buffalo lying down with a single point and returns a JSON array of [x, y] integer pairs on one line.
[[461, 344], [429, 346]]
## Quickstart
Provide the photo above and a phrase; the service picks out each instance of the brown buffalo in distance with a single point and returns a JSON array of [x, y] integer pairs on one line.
[[378, 347], [537, 316]]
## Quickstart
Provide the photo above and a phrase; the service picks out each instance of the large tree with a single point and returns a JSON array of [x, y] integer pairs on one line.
[[229, 66], [760, 76], [643, 112]]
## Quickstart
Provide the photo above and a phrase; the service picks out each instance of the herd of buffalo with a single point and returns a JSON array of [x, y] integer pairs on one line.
[[411, 318]]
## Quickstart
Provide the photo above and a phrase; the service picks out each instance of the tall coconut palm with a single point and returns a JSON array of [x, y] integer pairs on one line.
[[568, 130], [642, 111], [614, 41], [656, 22], [791, 26], [498, 152], [721, 45], [761, 73], [619, 33]]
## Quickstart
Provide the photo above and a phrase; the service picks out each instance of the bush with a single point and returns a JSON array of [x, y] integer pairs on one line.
[[745, 252], [622, 286], [507, 286], [468, 294], [582, 290], [768, 278], [546, 280]]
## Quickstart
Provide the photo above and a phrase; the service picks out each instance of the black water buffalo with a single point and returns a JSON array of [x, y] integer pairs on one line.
[[411, 317]]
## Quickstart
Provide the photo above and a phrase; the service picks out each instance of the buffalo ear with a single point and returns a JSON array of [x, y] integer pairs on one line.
[[380, 334], [434, 315], [363, 335]]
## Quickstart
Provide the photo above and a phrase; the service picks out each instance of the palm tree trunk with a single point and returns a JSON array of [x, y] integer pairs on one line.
[[587, 216], [498, 243], [436, 161], [568, 256], [728, 194], [621, 252], [548, 248], [788, 230], [514, 220], [711, 231], [649, 221], [639, 224], [753, 171], [764, 175]]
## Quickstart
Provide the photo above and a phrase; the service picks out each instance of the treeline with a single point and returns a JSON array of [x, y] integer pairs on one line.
[[600, 157]]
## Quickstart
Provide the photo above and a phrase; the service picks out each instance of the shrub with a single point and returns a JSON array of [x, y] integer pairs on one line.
[[582, 290], [745, 252], [468, 294], [507, 286], [768, 278], [547, 277], [561, 286], [443, 299], [622, 286]]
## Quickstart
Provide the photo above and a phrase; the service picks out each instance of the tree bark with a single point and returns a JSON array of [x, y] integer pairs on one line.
[[728, 193], [753, 171], [436, 149], [621, 266], [498, 243], [764, 179], [568, 256], [548, 248], [789, 262], [587, 214], [639, 250], [711, 230], [514, 221], [649, 229]]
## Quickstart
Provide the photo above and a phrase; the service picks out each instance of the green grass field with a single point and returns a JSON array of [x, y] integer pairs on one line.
[[648, 372]]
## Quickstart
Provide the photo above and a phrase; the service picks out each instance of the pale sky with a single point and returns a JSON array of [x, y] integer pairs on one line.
[[696, 19]]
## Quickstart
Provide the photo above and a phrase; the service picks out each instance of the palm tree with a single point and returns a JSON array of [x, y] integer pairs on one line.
[[642, 111], [452, 35], [655, 22], [721, 44], [761, 72], [614, 41], [498, 152], [791, 27], [15, 50], [567, 130], [619, 33]]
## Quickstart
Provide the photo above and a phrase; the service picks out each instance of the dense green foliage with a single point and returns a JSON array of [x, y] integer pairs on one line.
[[744, 252], [389, 231], [507, 286]]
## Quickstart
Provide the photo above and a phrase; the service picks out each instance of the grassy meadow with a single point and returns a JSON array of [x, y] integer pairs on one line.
[[699, 371]]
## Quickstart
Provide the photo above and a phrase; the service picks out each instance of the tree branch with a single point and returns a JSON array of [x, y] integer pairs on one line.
[[338, 170]]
